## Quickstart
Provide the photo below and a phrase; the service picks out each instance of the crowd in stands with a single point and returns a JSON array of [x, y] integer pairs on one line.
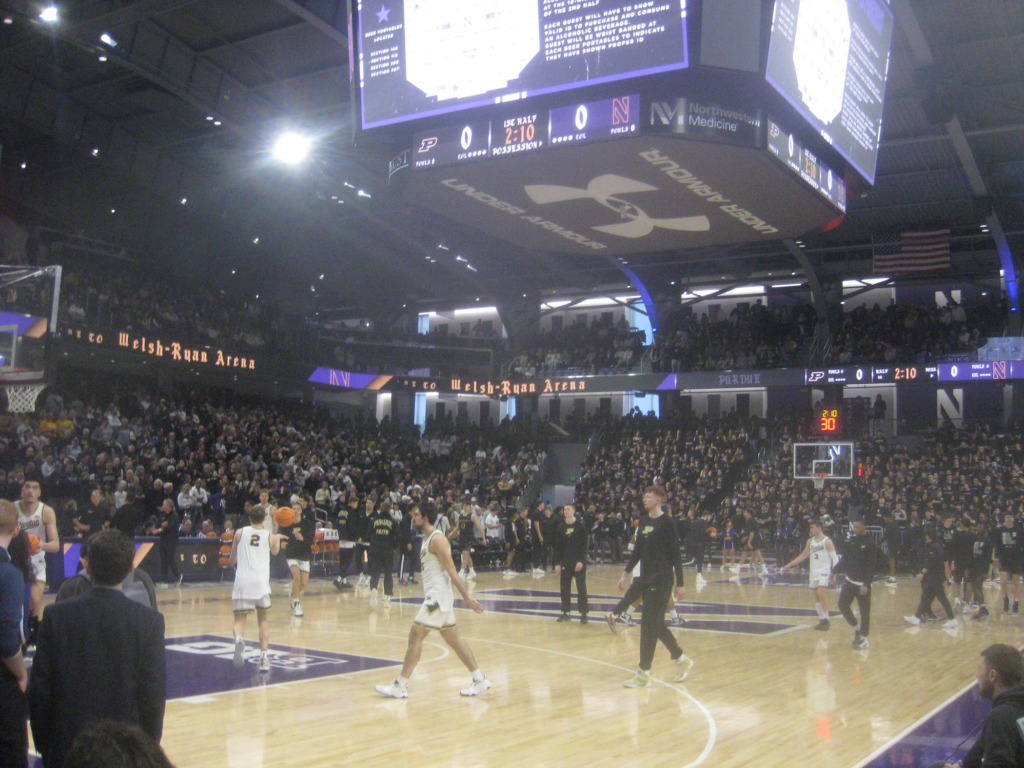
[[752, 337], [211, 454], [600, 346], [125, 296], [908, 333]]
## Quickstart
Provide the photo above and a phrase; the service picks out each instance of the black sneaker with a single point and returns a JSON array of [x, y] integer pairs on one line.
[[981, 615], [1006, 605], [584, 619], [822, 626], [563, 617], [1016, 607]]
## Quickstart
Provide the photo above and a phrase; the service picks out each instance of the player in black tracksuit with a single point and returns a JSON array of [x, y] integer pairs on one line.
[[1007, 540], [981, 559], [859, 560], [383, 541], [661, 572], [569, 541], [932, 576]]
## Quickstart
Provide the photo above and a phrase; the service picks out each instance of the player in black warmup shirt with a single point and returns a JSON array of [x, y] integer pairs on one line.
[[661, 570], [859, 559], [299, 551], [569, 540], [383, 542], [1008, 539], [932, 575], [961, 548], [981, 559]]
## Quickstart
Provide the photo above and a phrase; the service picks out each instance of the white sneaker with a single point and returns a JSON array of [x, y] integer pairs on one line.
[[297, 609], [958, 605], [472, 573], [239, 658], [393, 691], [387, 601], [509, 573], [700, 581], [462, 575], [477, 687], [912, 620], [951, 624], [539, 571], [764, 570], [264, 664], [684, 665], [735, 569]]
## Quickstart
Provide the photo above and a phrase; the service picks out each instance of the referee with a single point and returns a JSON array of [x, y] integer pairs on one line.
[[661, 569]]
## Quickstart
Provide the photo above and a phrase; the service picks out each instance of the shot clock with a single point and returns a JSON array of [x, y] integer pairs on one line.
[[829, 422]]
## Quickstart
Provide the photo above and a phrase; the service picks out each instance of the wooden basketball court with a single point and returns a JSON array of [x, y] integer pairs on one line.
[[766, 689]]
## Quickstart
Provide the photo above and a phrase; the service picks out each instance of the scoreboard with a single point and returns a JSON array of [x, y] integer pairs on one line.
[[527, 131]]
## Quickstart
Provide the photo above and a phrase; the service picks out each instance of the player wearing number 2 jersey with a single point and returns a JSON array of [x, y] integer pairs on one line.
[[250, 554], [822, 554]]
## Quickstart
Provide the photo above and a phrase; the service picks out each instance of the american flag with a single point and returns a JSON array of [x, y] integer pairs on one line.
[[909, 253]]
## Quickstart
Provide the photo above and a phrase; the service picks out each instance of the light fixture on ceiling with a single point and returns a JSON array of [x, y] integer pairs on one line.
[[106, 39], [291, 148], [50, 14]]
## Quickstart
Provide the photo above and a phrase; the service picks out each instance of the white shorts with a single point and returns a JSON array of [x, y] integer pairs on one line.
[[39, 563], [302, 565], [820, 580], [248, 606], [436, 614]]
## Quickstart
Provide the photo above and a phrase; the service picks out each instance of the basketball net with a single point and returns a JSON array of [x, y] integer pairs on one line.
[[21, 398], [819, 480]]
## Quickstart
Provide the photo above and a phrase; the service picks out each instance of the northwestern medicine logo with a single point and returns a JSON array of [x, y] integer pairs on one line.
[[605, 190]]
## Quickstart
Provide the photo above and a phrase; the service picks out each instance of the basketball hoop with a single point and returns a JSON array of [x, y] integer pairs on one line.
[[21, 398], [819, 480]]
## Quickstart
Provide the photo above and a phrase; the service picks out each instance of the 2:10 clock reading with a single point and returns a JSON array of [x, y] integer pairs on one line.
[[523, 133]]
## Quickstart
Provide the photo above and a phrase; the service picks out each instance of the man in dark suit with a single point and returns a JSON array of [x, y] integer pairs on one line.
[[99, 656]]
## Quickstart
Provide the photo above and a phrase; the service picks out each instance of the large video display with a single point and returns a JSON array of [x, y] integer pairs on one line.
[[830, 60], [428, 57]]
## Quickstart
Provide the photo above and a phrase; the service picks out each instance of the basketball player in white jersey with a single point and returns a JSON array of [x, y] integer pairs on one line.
[[438, 609], [250, 554], [823, 558], [38, 519]]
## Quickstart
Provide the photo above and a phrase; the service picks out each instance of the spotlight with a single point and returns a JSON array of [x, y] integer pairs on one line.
[[102, 58], [106, 39], [49, 14], [95, 152], [184, 200], [291, 148]]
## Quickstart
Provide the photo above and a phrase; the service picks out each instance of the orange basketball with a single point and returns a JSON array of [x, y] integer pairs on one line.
[[712, 531], [33, 544], [224, 561], [284, 516]]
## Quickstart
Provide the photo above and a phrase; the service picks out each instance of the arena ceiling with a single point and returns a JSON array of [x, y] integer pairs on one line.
[[169, 128]]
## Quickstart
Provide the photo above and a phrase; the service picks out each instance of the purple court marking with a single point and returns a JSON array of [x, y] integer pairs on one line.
[[938, 736], [201, 664]]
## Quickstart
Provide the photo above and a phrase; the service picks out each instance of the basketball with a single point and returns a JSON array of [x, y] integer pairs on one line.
[[711, 531], [33, 544], [284, 516]]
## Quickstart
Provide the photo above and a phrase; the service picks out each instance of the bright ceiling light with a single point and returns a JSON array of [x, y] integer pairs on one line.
[[49, 14], [291, 148], [106, 39]]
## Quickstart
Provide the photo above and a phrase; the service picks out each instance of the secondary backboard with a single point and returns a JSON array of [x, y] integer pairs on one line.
[[834, 460]]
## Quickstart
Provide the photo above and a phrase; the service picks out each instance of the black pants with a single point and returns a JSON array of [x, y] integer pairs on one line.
[[381, 562], [410, 558], [847, 595], [930, 591], [344, 560], [13, 716], [362, 559], [521, 558], [615, 547], [632, 594], [169, 557], [652, 623], [568, 574], [699, 556]]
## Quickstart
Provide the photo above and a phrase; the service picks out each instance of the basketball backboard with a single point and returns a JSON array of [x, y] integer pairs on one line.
[[835, 460]]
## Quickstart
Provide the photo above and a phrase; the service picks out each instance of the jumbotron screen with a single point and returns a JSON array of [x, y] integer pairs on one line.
[[830, 60], [428, 57]]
